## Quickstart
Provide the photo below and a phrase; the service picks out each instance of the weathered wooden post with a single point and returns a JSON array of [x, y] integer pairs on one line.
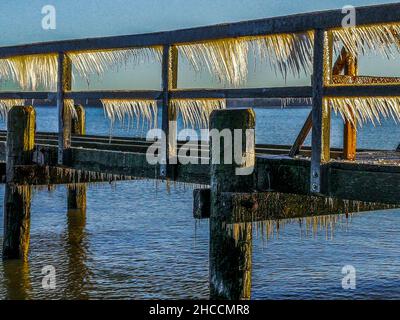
[[64, 83], [17, 200], [321, 115], [350, 130], [230, 244], [169, 115], [77, 194]]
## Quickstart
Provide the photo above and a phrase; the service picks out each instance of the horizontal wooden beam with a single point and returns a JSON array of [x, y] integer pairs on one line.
[[27, 95], [279, 92], [387, 13], [363, 80], [383, 90], [284, 92], [344, 180], [118, 94], [261, 206]]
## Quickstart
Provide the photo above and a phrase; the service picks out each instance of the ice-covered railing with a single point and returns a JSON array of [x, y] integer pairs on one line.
[[291, 44]]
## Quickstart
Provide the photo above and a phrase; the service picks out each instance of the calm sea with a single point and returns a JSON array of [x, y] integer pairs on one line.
[[139, 240]]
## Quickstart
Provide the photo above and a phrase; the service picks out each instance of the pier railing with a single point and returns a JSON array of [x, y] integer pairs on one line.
[[320, 22]]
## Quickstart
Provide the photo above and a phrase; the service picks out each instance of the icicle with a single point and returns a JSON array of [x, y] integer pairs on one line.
[[69, 104], [227, 59], [286, 53], [365, 109], [298, 101], [7, 104], [197, 112], [31, 71], [126, 110], [383, 39], [88, 63]]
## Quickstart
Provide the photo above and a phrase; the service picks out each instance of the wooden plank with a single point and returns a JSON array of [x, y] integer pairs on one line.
[[362, 91], [305, 130], [294, 23], [364, 80], [345, 180], [117, 94], [320, 115], [283, 92], [27, 95], [261, 206]]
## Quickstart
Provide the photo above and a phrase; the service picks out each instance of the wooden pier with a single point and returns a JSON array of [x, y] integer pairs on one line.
[[287, 181]]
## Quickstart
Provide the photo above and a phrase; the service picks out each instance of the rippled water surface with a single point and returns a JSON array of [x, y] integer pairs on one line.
[[138, 239]]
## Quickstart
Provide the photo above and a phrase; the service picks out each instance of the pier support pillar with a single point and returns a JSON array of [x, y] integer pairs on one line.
[[77, 194], [77, 197], [230, 244], [17, 200]]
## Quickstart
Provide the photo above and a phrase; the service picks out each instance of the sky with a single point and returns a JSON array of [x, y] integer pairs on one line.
[[21, 22]]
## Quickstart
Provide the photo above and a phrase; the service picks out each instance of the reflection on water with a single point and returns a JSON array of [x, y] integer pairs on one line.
[[76, 246], [16, 280], [136, 240]]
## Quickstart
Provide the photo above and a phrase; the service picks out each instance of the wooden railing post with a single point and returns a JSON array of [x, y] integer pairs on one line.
[[17, 200], [64, 83], [327, 78], [321, 117], [350, 131], [169, 115]]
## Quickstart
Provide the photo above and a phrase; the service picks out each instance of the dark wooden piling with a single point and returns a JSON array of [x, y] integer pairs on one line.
[[77, 194], [17, 200], [77, 197], [230, 244]]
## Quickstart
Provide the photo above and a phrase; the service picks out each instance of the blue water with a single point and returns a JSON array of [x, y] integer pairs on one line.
[[273, 126], [140, 241]]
